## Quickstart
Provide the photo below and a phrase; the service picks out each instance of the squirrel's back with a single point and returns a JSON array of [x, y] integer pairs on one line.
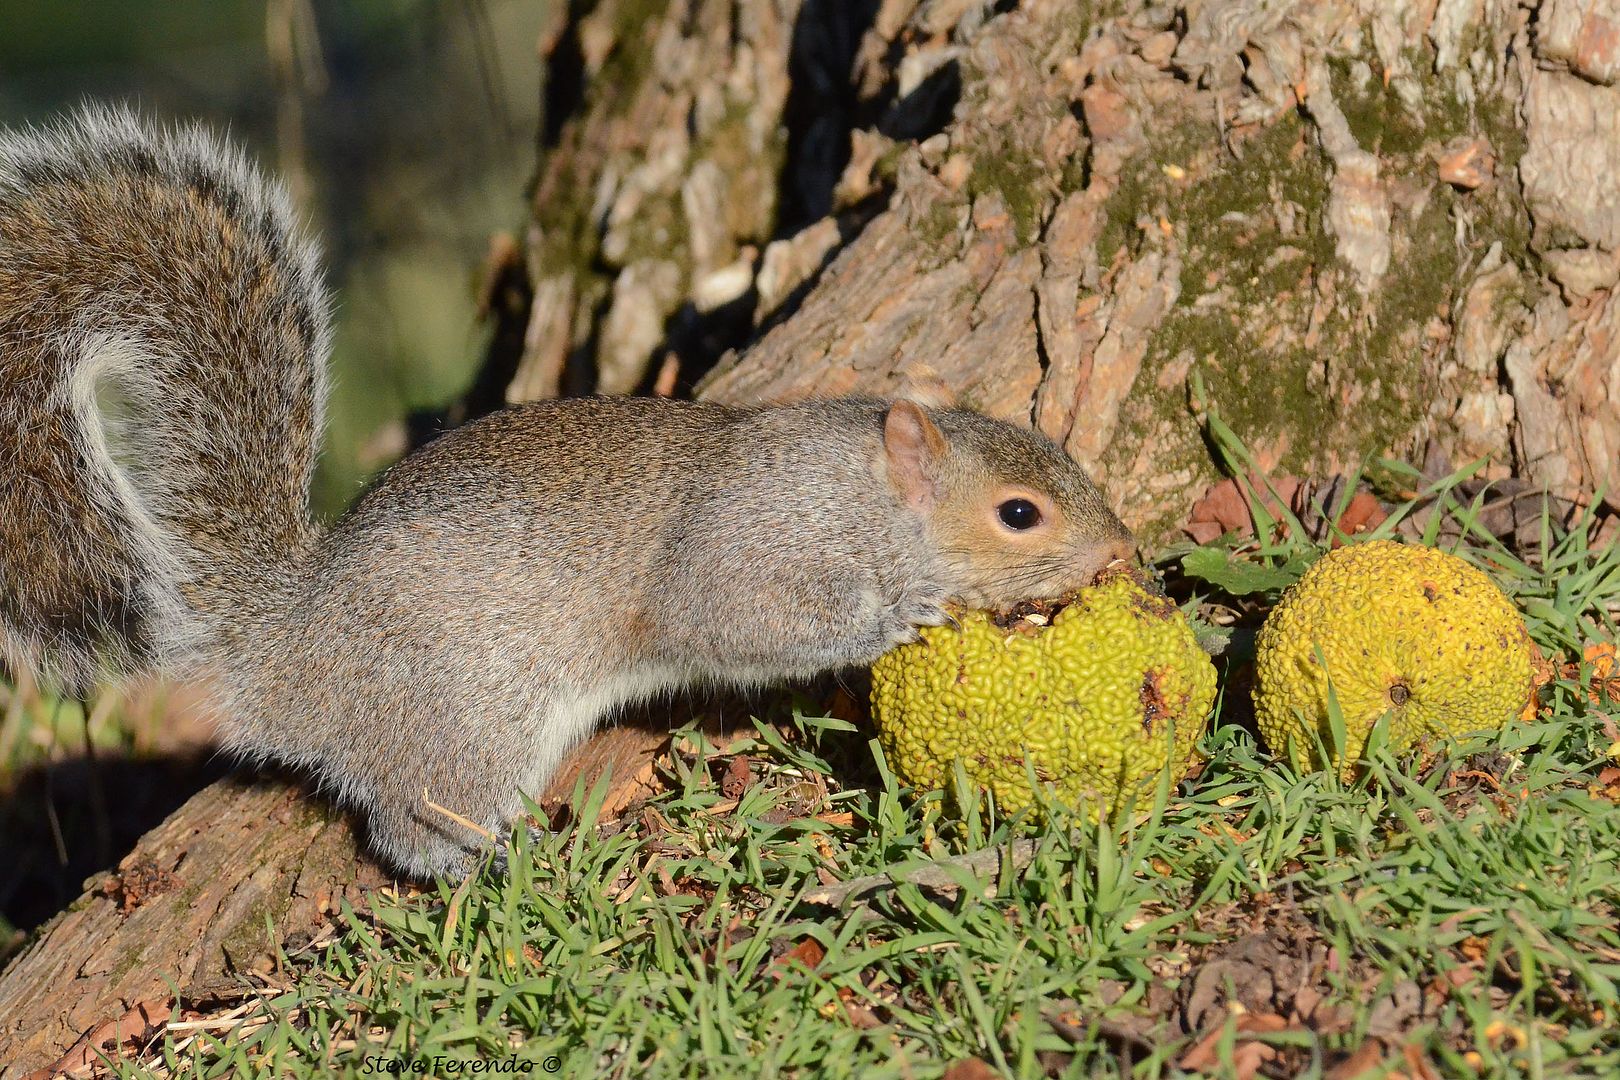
[[162, 343], [163, 339]]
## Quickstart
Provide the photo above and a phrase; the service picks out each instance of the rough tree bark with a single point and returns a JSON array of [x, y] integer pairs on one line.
[[1371, 226], [1375, 227]]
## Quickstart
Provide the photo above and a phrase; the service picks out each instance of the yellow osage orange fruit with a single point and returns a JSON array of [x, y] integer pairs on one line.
[[1404, 630], [1101, 699]]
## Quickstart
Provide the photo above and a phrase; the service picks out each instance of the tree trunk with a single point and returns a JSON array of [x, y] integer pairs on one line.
[[187, 909], [1385, 227]]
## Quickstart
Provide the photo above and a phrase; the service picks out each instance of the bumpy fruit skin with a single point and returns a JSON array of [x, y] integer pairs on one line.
[[1404, 629], [1101, 699]]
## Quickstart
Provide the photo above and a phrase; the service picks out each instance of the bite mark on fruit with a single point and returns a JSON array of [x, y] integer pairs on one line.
[[1153, 703]]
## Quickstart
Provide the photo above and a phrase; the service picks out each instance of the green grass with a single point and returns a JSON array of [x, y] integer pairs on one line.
[[666, 947], [1458, 910], [1462, 909]]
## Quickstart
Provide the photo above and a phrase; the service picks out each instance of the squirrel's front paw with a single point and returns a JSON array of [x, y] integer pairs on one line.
[[915, 611], [886, 626], [923, 614]]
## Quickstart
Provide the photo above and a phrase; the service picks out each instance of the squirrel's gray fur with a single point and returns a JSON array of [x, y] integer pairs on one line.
[[163, 337]]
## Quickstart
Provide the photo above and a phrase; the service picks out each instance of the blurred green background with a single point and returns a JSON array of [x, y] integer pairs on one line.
[[405, 129]]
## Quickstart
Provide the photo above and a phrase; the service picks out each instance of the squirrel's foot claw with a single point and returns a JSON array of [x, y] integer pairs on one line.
[[905, 618], [924, 613], [499, 855], [501, 864]]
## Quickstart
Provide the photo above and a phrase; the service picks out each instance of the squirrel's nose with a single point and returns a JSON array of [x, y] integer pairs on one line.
[[1094, 558], [1122, 549]]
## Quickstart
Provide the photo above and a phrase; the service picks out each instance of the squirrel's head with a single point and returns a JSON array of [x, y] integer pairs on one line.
[[1012, 516]]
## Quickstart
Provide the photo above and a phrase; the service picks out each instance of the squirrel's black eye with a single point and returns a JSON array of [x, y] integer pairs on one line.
[[1019, 514]]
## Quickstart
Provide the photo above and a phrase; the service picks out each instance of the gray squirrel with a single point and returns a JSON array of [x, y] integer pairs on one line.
[[163, 338]]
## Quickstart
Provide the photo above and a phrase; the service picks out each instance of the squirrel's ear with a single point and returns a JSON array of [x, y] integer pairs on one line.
[[923, 385], [914, 447]]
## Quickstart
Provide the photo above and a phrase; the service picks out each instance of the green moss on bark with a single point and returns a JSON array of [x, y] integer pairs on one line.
[[1296, 358]]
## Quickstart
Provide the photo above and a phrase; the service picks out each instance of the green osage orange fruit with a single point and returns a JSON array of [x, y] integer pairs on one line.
[[1402, 630], [1102, 692]]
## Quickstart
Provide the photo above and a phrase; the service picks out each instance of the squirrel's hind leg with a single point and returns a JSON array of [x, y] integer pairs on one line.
[[425, 836], [442, 804]]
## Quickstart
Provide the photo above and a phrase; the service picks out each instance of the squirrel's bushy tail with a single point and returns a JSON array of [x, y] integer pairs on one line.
[[163, 342]]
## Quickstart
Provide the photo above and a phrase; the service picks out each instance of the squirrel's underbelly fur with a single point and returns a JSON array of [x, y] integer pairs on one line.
[[406, 750]]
